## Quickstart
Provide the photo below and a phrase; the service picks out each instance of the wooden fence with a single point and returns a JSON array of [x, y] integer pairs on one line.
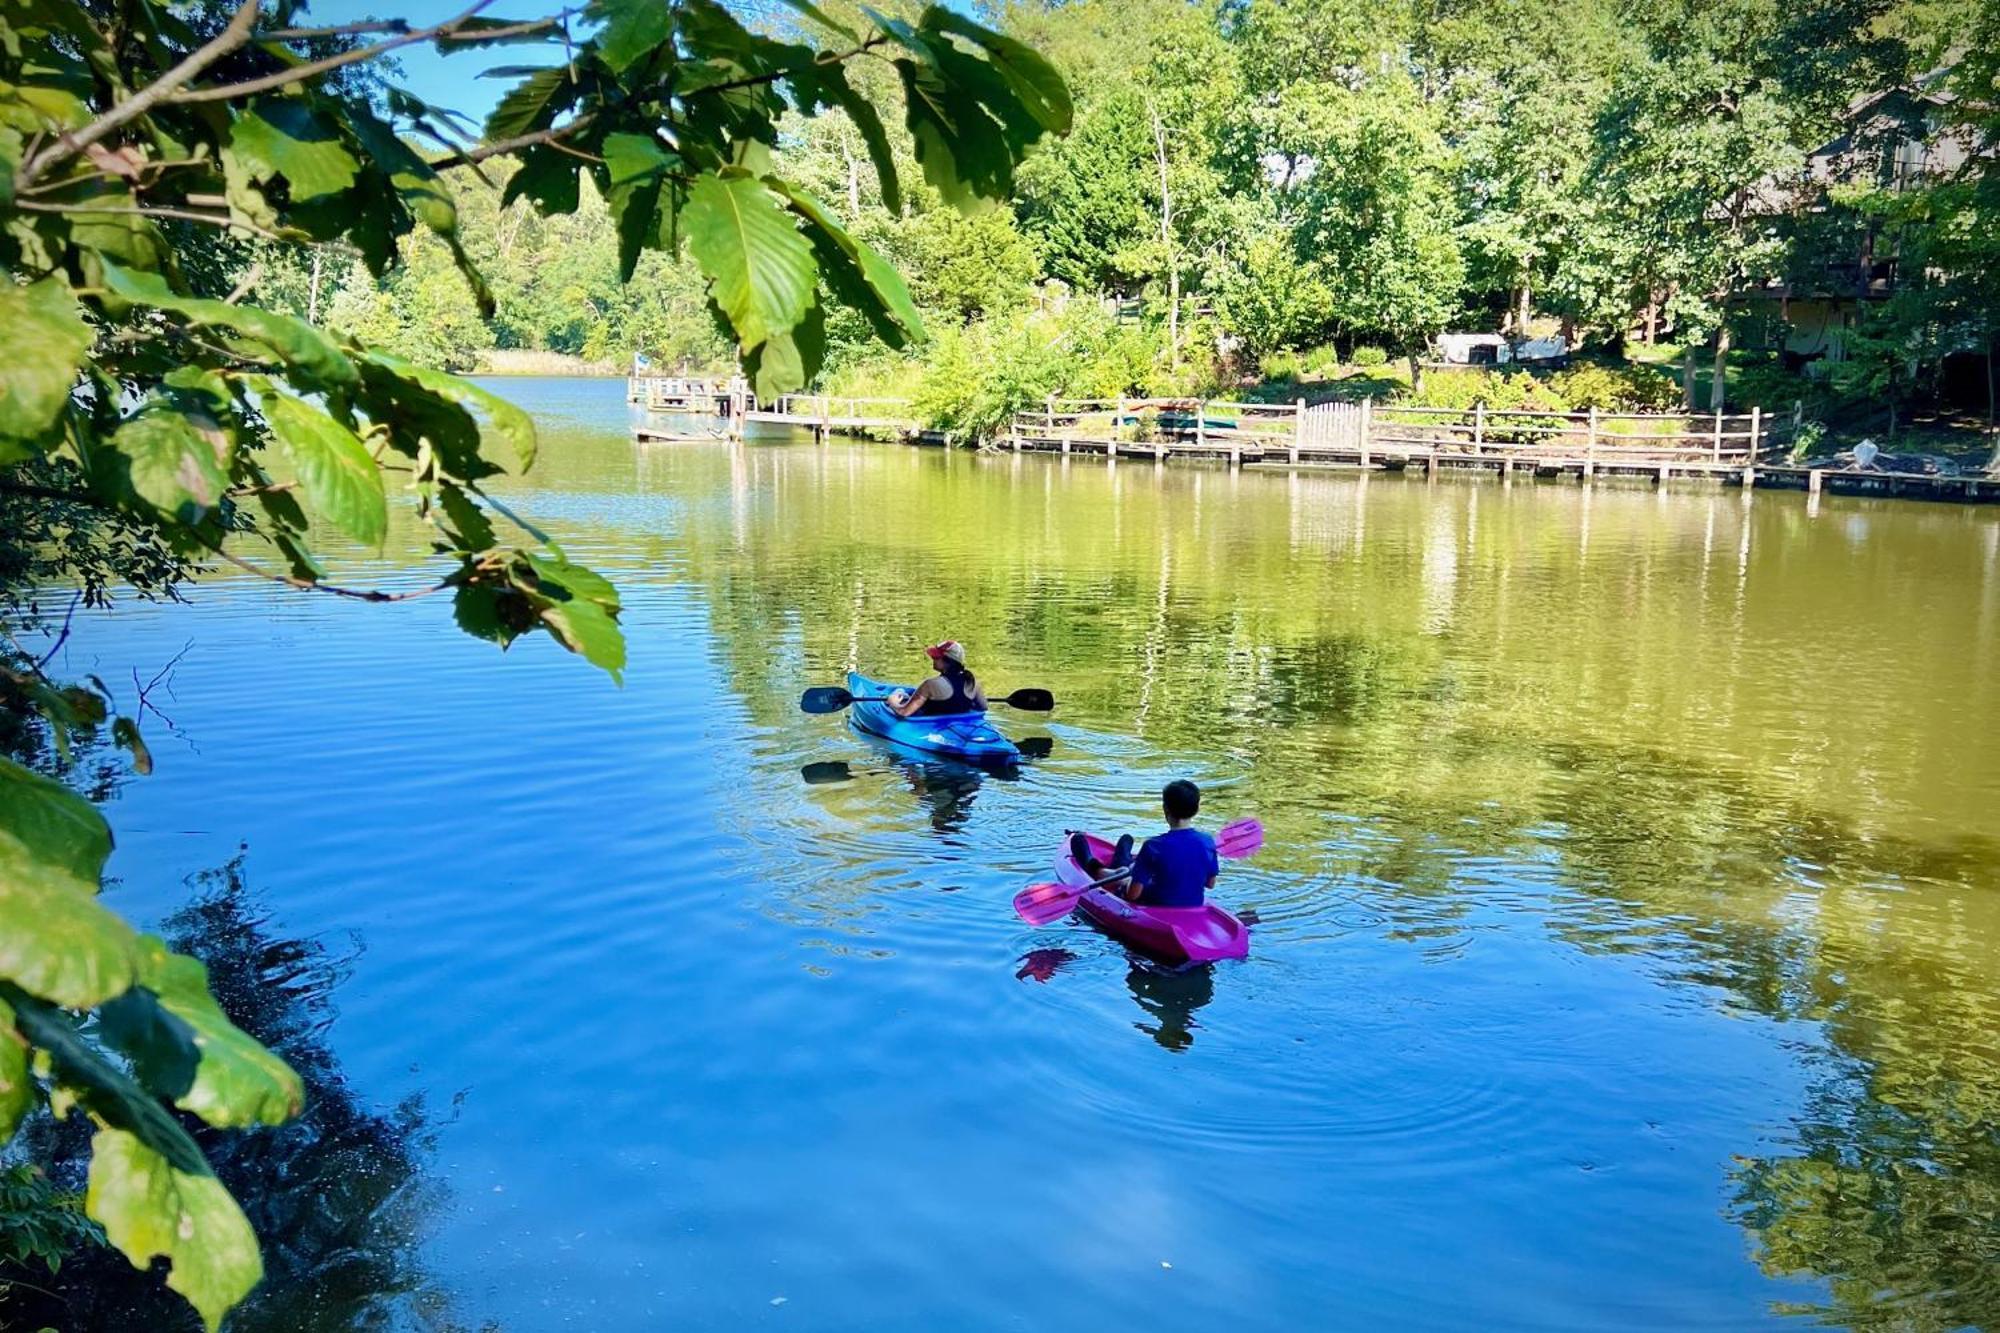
[[1368, 434]]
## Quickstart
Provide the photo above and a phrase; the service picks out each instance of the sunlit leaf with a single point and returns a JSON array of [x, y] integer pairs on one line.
[[17, 1085], [236, 1081], [497, 421], [585, 628], [297, 343], [884, 294], [149, 1208], [56, 939], [281, 136], [636, 170], [1034, 80], [43, 339], [632, 28], [339, 477], [171, 457], [760, 268]]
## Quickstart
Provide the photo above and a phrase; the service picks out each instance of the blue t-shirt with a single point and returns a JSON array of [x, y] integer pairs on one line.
[[1173, 869]]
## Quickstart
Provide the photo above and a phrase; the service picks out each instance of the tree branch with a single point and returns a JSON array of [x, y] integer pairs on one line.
[[772, 76], [552, 137], [222, 220], [308, 585], [231, 37], [314, 68]]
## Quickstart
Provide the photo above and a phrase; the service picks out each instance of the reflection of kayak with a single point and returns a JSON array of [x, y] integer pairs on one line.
[[1174, 934], [967, 736]]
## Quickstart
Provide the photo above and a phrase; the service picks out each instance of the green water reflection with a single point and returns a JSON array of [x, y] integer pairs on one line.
[[1752, 746]]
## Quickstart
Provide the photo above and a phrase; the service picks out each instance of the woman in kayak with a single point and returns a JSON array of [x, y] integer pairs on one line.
[[1174, 869], [952, 690]]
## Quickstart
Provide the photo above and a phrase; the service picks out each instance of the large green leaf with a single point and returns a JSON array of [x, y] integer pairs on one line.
[[17, 1085], [636, 169], [1034, 80], [46, 823], [532, 104], [171, 458], [788, 360], [83, 1073], [415, 182], [587, 629], [828, 86], [333, 465], [883, 283], [549, 177], [281, 136], [43, 340], [760, 268], [149, 1208], [498, 421], [295, 342], [632, 29], [56, 940], [237, 1082]]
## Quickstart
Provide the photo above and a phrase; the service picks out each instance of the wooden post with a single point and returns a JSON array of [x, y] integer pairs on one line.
[[1590, 440], [1813, 482], [1507, 467], [1479, 428], [1298, 428], [1718, 435], [1200, 425], [1367, 426], [1756, 432]]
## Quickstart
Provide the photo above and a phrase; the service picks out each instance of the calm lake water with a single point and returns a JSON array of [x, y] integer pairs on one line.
[[1630, 942]]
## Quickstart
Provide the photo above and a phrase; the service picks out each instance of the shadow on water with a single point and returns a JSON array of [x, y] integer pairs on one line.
[[946, 790], [1170, 998], [340, 1198]]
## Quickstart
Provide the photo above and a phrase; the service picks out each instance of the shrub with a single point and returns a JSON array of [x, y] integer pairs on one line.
[[1370, 355], [1320, 359], [1281, 366], [1769, 386], [1616, 389]]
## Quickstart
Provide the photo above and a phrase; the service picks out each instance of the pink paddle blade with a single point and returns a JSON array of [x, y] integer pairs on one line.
[[1039, 904], [1240, 839]]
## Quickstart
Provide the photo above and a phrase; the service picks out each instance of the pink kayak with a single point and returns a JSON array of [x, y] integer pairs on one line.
[[1202, 934]]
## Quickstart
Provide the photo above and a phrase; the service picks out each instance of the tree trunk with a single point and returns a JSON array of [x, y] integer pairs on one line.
[[1523, 311], [1649, 324], [1167, 239], [1718, 389], [1687, 378], [1989, 380], [1416, 374]]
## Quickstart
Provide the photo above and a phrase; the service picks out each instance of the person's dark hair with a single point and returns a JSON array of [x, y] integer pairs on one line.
[[1181, 799], [958, 671]]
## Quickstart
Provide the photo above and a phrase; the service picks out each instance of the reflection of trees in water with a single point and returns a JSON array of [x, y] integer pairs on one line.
[[1551, 755], [1893, 1195], [338, 1197], [1890, 1187]]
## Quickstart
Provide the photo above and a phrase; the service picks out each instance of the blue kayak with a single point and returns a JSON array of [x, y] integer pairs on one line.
[[969, 737]]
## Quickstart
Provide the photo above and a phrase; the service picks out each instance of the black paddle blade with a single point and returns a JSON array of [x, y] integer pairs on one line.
[[825, 699], [1034, 701], [830, 770], [1035, 747]]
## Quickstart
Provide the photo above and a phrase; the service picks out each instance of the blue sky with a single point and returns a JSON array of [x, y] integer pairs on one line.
[[453, 81]]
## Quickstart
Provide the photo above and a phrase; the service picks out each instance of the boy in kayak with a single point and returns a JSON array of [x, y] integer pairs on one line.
[[952, 690], [1173, 869]]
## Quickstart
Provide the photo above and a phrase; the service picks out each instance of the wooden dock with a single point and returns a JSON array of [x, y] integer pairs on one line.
[[731, 408], [1744, 449]]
